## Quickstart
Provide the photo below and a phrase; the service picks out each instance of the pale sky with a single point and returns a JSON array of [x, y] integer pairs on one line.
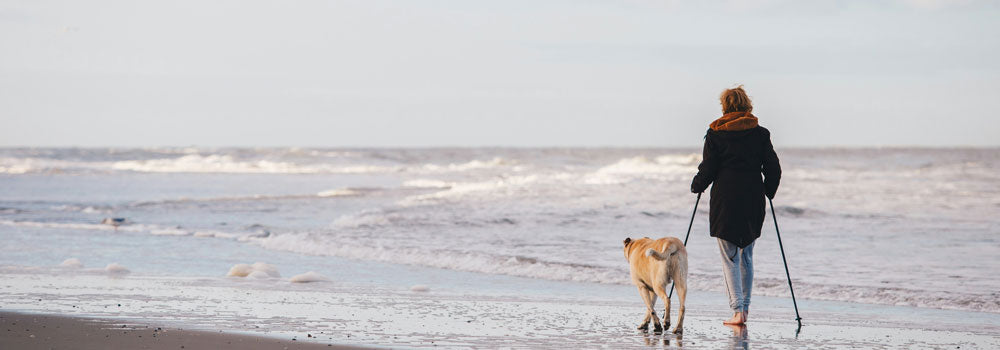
[[495, 73]]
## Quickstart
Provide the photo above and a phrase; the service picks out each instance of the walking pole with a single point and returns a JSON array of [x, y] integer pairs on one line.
[[797, 317], [686, 237]]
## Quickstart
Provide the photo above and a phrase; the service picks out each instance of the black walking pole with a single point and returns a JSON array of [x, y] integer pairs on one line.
[[686, 237], [797, 317]]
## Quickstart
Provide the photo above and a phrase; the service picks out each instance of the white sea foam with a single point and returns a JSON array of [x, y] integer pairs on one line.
[[340, 192], [470, 165], [494, 188], [269, 269], [308, 277], [116, 268], [208, 161], [662, 167], [258, 275], [219, 234], [87, 209], [27, 165], [77, 226], [130, 228], [72, 263], [426, 183], [170, 232], [195, 163], [366, 218], [15, 168], [240, 270], [256, 270]]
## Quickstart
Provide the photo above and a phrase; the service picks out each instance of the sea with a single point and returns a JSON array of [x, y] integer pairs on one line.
[[913, 227]]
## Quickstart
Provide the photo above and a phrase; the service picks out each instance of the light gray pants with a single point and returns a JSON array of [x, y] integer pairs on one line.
[[737, 271]]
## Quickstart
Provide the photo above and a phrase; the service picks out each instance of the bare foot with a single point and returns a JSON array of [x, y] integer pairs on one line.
[[738, 318], [739, 330]]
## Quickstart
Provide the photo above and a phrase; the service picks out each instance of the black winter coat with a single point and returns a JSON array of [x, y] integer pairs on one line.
[[734, 161]]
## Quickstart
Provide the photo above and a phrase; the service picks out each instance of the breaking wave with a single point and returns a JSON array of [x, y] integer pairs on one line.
[[532, 267], [229, 164]]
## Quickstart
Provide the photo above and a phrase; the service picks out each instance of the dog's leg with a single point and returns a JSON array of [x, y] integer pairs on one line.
[[682, 294], [662, 292], [652, 312], [644, 293]]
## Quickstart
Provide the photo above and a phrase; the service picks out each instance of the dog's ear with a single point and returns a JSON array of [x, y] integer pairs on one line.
[[628, 240]]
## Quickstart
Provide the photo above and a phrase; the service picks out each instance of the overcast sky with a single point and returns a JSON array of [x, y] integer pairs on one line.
[[497, 73]]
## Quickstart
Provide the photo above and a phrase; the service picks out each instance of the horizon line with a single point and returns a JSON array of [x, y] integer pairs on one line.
[[900, 146]]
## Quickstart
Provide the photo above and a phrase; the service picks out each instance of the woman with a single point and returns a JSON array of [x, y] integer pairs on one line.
[[736, 152]]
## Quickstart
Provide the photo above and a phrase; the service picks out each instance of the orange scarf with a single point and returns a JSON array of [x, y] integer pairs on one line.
[[734, 121]]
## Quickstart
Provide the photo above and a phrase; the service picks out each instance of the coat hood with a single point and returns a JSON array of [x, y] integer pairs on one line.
[[734, 121]]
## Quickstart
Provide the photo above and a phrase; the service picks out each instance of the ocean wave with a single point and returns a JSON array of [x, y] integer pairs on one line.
[[86, 209], [470, 165], [427, 183], [533, 267], [136, 228], [229, 164], [79, 226], [446, 259], [337, 192], [498, 188], [33, 165], [663, 167], [195, 163]]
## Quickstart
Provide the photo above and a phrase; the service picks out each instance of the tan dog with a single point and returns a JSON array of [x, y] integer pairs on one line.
[[654, 263]]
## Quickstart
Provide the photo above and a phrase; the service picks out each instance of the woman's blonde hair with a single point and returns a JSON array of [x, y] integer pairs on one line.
[[735, 100]]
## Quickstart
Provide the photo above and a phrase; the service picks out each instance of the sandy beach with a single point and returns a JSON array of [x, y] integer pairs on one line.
[[35, 331], [97, 311]]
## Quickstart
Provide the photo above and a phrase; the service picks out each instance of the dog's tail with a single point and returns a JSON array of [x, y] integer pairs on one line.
[[670, 250]]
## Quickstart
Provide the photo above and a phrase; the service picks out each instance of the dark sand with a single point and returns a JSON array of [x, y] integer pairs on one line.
[[29, 331]]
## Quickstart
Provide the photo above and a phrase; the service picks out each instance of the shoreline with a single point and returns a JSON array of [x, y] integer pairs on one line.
[[232, 313], [45, 331]]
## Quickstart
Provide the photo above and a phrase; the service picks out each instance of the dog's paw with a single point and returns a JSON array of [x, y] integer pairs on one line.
[[643, 327], [666, 324], [678, 330], [657, 329]]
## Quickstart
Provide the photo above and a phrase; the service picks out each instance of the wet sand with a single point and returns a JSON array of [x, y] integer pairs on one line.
[[88, 311], [34, 331]]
